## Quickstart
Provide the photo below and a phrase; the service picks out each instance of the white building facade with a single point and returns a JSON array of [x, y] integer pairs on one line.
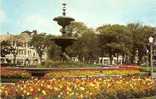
[[24, 55]]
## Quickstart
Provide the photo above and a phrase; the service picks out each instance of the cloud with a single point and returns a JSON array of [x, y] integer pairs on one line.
[[39, 23], [2, 16], [113, 11], [31, 14], [3, 20]]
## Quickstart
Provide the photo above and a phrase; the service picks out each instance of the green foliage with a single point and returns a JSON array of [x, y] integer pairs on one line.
[[76, 29], [153, 97], [139, 36], [113, 40], [86, 46], [129, 41], [6, 48], [148, 69], [40, 42]]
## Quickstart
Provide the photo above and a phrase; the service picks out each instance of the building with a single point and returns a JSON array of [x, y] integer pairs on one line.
[[26, 55]]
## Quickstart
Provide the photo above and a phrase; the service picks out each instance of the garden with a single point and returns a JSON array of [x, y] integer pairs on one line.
[[13, 75], [69, 66], [117, 82]]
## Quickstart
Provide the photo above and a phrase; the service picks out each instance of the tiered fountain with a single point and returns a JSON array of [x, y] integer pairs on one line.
[[65, 40]]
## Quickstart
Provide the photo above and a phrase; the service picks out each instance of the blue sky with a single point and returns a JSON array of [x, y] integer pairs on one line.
[[20, 15]]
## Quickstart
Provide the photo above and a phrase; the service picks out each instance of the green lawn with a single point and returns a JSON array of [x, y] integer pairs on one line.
[[148, 69], [153, 97]]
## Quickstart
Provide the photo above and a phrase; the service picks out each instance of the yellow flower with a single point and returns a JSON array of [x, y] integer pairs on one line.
[[28, 93], [82, 88], [44, 93], [55, 88], [36, 98], [24, 91], [39, 89], [72, 93], [91, 84], [59, 96], [31, 89], [6, 93]]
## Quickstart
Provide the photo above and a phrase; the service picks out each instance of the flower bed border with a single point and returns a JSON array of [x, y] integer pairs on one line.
[[12, 79]]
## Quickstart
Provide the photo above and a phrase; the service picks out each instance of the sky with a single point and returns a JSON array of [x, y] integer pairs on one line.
[[17, 16]]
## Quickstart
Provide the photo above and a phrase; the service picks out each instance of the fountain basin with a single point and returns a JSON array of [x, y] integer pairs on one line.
[[64, 41], [63, 20]]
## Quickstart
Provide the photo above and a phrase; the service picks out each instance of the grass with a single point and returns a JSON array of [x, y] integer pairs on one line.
[[148, 69], [152, 97]]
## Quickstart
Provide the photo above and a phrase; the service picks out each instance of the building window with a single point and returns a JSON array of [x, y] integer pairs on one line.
[[33, 54]]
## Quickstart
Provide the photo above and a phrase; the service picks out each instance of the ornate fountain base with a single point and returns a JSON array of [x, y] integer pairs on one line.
[[64, 42]]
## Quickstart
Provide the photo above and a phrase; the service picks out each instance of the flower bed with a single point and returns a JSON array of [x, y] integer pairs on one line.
[[14, 73], [80, 88], [94, 72], [89, 73]]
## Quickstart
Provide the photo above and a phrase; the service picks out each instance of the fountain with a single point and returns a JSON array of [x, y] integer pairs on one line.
[[65, 40]]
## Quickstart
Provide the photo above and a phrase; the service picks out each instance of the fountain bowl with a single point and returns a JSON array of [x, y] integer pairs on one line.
[[64, 41], [63, 20]]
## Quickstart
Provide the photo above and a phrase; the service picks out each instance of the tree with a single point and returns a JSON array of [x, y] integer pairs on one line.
[[40, 43], [139, 35], [7, 48], [85, 48], [112, 39], [76, 29]]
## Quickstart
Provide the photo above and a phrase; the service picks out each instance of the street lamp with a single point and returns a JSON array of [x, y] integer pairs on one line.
[[151, 39]]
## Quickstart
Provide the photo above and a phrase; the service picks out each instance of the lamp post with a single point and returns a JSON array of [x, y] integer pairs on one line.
[[151, 39]]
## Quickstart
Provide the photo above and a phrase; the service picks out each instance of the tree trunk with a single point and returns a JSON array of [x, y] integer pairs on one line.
[[132, 58], [139, 59], [111, 58], [14, 60], [127, 59], [123, 58], [141, 54], [117, 55]]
